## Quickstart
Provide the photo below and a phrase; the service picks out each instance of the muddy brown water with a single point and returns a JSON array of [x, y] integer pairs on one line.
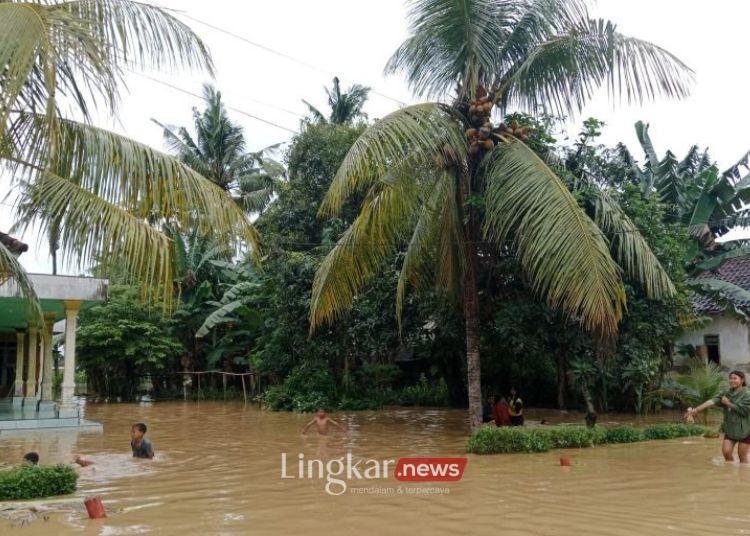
[[218, 471]]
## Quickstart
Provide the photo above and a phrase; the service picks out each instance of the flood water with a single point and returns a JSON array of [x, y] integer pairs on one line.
[[218, 471]]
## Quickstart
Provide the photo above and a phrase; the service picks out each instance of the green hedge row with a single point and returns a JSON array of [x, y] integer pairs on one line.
[[37, 481], [494, 440]]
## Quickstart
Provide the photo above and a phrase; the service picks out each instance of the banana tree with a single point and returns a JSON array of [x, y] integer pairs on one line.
[[708, 202]]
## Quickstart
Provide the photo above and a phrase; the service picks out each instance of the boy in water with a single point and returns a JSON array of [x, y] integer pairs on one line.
[[141, 446], [322, 420], [82, 461], [31, 458]]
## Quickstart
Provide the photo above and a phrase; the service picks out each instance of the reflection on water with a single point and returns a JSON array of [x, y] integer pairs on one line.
[[217, 471]]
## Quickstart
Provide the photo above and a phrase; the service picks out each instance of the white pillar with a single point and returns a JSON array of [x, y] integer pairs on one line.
[[30, 399], [47, 404], [20, 352], [69, 372]]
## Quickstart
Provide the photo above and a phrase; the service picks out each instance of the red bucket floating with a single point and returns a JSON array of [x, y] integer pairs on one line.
[[565, 461], [95, 508]]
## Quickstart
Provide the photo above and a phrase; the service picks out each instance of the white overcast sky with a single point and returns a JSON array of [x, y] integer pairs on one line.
[[354, 38]]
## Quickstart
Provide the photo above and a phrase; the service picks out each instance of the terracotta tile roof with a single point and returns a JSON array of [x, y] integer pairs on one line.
[[735, 271], [14, 245]]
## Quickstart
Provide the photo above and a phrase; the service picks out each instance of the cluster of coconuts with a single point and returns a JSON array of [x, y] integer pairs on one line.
[[480, 134], [520, 132], [480, 138], [482, 129]]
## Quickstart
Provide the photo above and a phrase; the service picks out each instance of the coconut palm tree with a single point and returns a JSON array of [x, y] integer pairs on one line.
[[100, 193], [218, 152], [453, 186], [346, 107]]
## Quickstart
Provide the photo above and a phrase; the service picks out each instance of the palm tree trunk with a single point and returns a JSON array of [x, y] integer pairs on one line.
[[470, 299], [471, 316], [562, 374], [590, 411]]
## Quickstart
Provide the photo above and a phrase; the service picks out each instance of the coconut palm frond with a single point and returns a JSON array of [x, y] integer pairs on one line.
[[452, 42], [95, 230], [12, 271], [44, 50], [142, 34], [536, 21], [563, 73], [386, 215], [147, 183], [436, 240], [561, 249], [79, 50], [178, 141], [631, 250], [416, 134], [316, 115]]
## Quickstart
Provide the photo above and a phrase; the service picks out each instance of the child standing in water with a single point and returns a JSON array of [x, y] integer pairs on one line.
[[141, 446], [736, 426], [322, 420]]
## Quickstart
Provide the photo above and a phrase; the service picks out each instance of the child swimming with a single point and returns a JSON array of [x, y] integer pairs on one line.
[[141, 446], [322, 420]]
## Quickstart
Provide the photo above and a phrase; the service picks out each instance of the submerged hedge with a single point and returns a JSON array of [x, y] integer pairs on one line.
[[494, 440], [37, 482]]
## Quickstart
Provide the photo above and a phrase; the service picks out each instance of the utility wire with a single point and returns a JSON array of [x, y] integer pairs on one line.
[[279, 53], [238, 110]]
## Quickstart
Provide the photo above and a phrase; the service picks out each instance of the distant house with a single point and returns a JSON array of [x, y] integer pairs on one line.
[[725, 340], [26, 368]]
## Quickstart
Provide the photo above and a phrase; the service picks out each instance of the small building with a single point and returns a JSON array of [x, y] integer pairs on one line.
[[26, 367], [725, 339]]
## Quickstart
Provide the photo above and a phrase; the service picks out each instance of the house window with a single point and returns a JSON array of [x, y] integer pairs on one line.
[[712, 346]]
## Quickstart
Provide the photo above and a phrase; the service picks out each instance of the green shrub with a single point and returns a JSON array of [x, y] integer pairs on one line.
[[308, 387], [492, 440], [425, 394], [623, 434], [672, 430], [575, 436], [36, 482]]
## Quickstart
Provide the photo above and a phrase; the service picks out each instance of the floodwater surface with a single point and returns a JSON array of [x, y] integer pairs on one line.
[[218, 470]]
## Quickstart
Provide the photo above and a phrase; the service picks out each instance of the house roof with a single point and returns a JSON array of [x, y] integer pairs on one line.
[[735, 271], [14, 245]]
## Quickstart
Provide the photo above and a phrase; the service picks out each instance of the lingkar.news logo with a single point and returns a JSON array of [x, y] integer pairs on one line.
[[339, 472]]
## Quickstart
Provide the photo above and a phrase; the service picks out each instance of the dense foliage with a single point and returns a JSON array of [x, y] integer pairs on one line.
[[237, 315], [37, 482], [501, 440], [250, 317], [122, 341]]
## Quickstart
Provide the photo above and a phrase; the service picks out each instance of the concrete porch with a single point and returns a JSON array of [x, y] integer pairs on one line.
[[15, 418]]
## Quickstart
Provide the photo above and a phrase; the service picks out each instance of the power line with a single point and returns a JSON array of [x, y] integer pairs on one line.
[[238, 110], [280, 54]]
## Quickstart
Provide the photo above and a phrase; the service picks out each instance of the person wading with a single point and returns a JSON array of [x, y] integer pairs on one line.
[[736, 426]]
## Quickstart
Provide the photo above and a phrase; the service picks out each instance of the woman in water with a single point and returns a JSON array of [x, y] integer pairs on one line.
[[736, 426]]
